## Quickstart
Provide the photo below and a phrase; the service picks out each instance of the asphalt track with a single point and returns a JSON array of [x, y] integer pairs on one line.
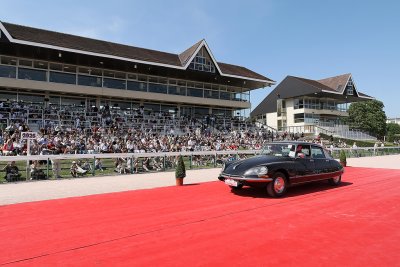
[[356, 224]]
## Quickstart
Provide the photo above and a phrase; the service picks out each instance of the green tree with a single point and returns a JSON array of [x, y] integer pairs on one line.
[[368, 116], [393, 132]]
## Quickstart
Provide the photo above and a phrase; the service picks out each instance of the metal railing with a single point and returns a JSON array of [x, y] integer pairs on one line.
[[366, 151]]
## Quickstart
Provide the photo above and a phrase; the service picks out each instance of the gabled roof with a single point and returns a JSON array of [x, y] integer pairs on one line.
[[364, 95], [229, 69], [93, 47], [337, 83], [188, 53], [293, 86], [315, 84], [78, 43]]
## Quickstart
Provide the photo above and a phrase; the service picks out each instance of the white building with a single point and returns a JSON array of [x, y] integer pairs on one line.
[[299, 105], [393, 120]]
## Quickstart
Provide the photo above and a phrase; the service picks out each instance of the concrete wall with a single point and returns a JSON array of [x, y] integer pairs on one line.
[[272, 120], [289, 112]]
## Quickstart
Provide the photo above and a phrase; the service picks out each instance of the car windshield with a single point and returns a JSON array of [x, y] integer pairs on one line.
[[279, 150]]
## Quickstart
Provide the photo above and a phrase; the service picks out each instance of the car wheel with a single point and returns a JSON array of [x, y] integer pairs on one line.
[[238, 187], [277, 187], [335, 180]]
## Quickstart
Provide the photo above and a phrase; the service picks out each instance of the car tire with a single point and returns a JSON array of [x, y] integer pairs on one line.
[[335, 181], [238, 187], [277, 187]]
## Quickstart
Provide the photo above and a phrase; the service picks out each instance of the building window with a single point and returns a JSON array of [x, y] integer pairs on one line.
[[281, 107], [299, 118], [8, 71], [202, 62], [298, 103], [157, 88], [114, 83], [311, 118], [59, 77], [89, 80], [211, 94], [350, 88], [201, 111], [30, 74], [137, 86], [176, 90], [8, 61], [151, 107], [195, 92], [225, 95]]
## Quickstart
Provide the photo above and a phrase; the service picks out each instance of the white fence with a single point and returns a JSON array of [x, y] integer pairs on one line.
[[166, 160]]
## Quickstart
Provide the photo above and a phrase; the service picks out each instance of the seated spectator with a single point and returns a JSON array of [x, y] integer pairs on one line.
[[136, 165], [121, 166], [77, 170], [8, 148], [87, 166], [146, 164], [98, 165], [36, 172], [74, 169], [12, 172], [157, 164]]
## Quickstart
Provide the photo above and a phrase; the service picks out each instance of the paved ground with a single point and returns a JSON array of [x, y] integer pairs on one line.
[[41, 190]]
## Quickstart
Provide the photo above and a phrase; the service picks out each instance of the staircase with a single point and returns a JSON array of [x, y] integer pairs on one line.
[[344, 131]]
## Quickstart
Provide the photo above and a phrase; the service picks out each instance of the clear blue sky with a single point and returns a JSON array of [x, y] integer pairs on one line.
[[310, 38]]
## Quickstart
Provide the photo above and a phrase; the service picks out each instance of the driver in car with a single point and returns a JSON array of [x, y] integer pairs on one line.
[[299, 152]]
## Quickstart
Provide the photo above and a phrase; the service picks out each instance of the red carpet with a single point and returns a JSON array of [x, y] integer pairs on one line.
[[356, 224]]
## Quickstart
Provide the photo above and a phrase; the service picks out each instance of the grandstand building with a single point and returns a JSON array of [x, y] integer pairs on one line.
[[61, 72], [299, 105]]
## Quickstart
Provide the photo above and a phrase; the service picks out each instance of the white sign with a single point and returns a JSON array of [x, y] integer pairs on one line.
[[28, 135]]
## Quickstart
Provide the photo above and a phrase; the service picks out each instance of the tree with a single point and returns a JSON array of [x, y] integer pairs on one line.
[[180, 171], [343, 158], [368, 116], [393, 132]]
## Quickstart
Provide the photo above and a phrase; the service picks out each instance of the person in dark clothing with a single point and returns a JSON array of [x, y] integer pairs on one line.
[[12, 172]]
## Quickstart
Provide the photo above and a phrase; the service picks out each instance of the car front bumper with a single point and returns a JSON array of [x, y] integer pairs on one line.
[[244, 180]]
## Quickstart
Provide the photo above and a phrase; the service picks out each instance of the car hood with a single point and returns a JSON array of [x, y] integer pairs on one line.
[[241, 166]]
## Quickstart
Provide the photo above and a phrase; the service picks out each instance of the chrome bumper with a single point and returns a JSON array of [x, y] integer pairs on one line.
[[245, 179]]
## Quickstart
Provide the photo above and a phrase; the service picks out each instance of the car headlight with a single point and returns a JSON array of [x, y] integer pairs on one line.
[[223, 166], [262, 170]]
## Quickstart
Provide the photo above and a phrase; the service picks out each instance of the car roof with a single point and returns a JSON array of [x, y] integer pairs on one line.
[[295, 143]]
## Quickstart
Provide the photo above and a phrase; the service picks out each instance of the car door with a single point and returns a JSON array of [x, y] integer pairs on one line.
[[304, 165], [322, 164]]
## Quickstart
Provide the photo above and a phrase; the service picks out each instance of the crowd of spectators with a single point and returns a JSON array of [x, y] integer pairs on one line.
[[122, 140], [76, 130]]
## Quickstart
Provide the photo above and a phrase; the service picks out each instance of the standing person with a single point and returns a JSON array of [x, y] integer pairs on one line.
[[355, 152], [56, 168], [375, 147], [55, 163]]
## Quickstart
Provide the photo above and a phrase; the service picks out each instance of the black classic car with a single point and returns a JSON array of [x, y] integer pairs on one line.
[[282, 164]]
